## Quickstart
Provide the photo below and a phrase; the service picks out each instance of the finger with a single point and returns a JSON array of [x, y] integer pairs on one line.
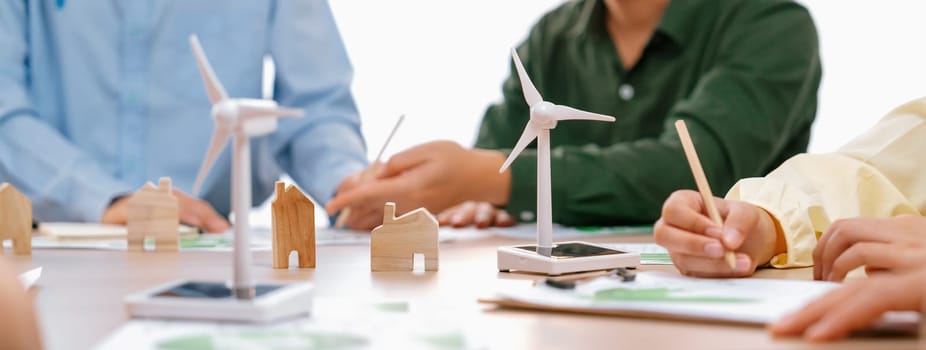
[[740, 219], [683, 209], [876, 255], [503, 219], [443, 218], [465, 215], [699, 266], [371, 172], [818, 249], [680, 241], [485, 215], [797, 322], [375, 192], [187, 212], [843, 235], [402, 161], [365, 218], [859, 310]]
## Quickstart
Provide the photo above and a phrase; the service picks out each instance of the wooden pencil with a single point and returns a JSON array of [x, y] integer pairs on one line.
[[701, 180]]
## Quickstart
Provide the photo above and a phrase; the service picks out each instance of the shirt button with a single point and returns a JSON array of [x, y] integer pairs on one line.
[[626, 92], [527, 216]]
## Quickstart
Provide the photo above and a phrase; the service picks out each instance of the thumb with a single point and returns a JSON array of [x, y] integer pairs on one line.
[[403, 161], [740, 218]]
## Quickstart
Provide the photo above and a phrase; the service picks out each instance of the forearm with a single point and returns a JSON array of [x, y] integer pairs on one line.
[[322, 155], [62, 181]]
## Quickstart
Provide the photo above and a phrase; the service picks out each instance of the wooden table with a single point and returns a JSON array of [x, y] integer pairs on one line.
[[80, 298]]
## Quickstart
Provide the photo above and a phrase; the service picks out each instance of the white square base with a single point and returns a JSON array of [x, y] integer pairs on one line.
[[591, 257], [277, 301]]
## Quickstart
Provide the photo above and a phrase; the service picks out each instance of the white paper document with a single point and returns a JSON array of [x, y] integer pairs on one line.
[[659, 294], [334, 324], [261, 239]]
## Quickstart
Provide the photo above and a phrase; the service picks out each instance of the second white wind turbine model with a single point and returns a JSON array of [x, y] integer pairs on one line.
[[546, 257], [238, 119]]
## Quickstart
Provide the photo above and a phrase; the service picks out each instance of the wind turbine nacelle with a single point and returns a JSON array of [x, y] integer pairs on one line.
[[257, 116], [259, 127], [543, 115]]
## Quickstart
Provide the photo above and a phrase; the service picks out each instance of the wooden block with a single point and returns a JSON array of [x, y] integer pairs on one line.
[[394, 243], [293, 216], [15, 219], [153, 212]]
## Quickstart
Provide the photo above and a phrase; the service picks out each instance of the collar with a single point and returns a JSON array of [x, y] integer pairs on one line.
[[676, 23]]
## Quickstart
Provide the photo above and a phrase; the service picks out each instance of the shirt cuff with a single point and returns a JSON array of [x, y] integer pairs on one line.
[[793, 211], [335, 151]]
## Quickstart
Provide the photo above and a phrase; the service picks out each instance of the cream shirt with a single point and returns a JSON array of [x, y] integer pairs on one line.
[[878, 174]]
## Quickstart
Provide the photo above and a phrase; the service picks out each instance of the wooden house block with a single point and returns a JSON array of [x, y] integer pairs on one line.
[[395, 242], [153, 212], [15, 219], [293, 216]]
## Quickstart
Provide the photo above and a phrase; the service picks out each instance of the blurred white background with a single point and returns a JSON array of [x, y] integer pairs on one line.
[[442, 62]]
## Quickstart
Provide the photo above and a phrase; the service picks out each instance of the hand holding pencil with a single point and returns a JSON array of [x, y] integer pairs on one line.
[[713, 237], [701, 180], [368, 173]]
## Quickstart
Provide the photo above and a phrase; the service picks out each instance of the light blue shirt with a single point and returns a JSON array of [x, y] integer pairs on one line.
[[99, 96]]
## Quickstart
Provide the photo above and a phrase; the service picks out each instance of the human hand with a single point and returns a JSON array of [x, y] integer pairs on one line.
[[18, 326], [697, 246], [854, 306], [434, 175], [367, 214], [192, 211], [481, 214], [894, 244]]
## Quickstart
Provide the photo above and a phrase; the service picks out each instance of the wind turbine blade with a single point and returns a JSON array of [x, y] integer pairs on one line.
[[568, 113], [529, 134], [219, 138], [250, 111], [531, 95], [213, 87]]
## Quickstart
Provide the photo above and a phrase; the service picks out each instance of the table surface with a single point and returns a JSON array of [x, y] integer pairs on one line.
[[80, 297]]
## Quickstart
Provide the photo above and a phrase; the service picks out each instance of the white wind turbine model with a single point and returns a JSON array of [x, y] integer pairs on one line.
[[239, 119], [547, 257]]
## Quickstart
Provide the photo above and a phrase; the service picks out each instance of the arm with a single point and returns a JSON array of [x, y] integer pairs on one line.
[[313, 72], [63, 182], [18, 326], [750, 102], [874, 175]]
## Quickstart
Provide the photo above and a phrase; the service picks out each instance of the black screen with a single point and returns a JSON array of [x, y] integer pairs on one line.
[[573, 250]]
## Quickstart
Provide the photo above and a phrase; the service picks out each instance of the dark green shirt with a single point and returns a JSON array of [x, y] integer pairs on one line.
[[743, 74]]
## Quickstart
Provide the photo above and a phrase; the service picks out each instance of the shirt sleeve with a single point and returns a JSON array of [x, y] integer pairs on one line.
[[326, 145], [877, 174], [740, 113], [62, 181]]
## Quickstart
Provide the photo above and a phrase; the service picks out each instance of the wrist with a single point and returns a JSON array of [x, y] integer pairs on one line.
[[493, 187], [774, 242]]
